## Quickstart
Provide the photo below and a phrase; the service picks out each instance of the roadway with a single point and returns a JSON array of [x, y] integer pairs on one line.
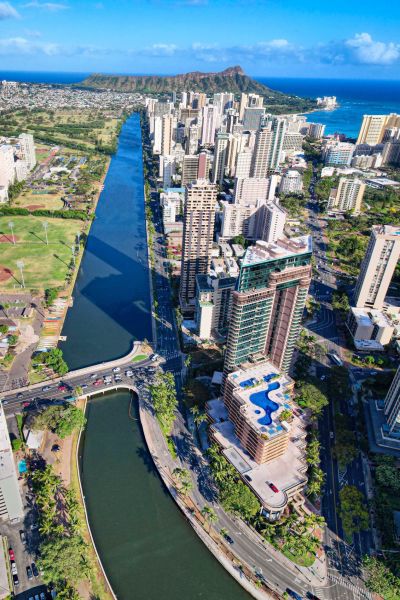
[[344, 559]]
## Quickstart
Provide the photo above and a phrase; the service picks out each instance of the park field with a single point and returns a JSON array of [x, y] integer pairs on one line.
[[45, 265]]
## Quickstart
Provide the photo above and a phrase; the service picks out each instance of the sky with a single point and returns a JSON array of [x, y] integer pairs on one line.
[[288, 38]]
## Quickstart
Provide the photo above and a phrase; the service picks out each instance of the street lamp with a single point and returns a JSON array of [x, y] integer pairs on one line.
[[20, 265], [11, 226], [73, 253], [45, 226]]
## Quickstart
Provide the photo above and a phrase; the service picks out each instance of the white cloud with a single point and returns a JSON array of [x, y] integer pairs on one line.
[[7, 11], [368, 51], [20, 45], [160, 50], [49, 6]]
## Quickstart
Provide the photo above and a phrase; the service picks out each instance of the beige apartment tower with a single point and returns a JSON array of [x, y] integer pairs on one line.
[[347, 196], [198, 232], [377, 267], [373, 128]]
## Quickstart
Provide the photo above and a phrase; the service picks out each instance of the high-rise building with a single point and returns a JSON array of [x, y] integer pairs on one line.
[[392, 406], [269, 300], [292, 142], [347, 196], [192, 140], [166, 134], [268, 147], [168, 169], [213, 304], [243, 164], [7, 171], [162, 108], [220, 157], [238, 219], [271, 222], [195, 167], [252, 118], [336, 153], [316, 131], [373, 128], [10, 498], [156, 134], [377, 267], [27, 149], [232, 119], [291, 183], [198, 232], [251, 190], [209, 121]]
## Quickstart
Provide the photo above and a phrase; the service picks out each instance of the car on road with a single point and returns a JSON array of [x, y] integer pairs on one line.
[[34, 570], [154, 357], [93, 376], [84, 386], [11, 554], [20, 395], [116, 369], [312, 596], [118, 378], [129, 373], [29, 573], [62, 387], [273, 487], [46, 388], [323, 377], [97, 382]]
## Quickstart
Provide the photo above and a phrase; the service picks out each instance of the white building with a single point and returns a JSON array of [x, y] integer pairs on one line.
[[156, 135], [27, 149], [238, 219], [7, 169], [251, 190], [172, 201], [335, 153], [168, 169], [271, 222], [209, 120], [213, 305], [347, 196], [243, 164], [291, 183], [10, 498]]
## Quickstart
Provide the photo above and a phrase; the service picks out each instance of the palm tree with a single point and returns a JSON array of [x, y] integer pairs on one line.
[[209, 516], [199, 419]]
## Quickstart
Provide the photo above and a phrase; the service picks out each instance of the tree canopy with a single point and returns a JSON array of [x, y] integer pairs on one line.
[[311, 397], [62, 420]]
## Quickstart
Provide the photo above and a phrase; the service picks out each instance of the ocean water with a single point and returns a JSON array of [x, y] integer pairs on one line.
[[356, 97]]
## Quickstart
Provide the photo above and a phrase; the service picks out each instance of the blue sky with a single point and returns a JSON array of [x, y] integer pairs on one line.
[[302, 38]]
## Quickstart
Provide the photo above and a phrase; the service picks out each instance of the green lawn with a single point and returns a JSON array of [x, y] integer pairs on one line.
[[139, 357], [44, 265]]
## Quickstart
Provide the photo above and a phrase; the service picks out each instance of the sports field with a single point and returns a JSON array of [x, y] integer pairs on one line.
[[45, 265]]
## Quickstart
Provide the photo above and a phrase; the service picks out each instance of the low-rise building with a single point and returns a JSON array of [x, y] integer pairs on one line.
[[261, 432], [370, 325]]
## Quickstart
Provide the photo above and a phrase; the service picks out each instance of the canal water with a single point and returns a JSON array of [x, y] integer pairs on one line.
[[148, 550]]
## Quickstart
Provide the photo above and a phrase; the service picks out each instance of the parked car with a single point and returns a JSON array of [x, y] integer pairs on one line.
[[22, 536], [29, 573], [11, 554], [116, 369], [273, 487], [293, 594], [14, 569], [35, 570], [15, 580]]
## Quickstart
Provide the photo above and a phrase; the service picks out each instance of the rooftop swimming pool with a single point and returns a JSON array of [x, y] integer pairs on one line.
[[262, 400]]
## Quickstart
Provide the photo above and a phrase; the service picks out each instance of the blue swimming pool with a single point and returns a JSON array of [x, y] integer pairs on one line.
[[262, 400], [22, 467]]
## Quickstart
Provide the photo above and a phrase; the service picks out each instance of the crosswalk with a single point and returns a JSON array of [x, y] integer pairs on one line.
[[357, 590]]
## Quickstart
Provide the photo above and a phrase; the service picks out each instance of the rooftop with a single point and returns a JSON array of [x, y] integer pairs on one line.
[[282, 248], [285, 472], [264, 393]]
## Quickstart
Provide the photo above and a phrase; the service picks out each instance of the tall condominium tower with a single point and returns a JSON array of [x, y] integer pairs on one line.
[[220, 157], [272, 221], [198, 232], [166, 134], [392, 406], [377, 267], [269, 300], [252, 118], [209, 121], [373, 128], [348, 195], [268, 147], [27, 148]]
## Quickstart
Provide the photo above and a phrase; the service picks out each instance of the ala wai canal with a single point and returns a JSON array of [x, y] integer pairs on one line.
[[148, 550]]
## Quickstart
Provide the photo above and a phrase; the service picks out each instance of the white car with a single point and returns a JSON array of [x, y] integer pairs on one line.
[[14, 568], [116, 370]]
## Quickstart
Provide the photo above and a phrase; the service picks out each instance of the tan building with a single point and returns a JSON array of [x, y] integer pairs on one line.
[[373, 128], [378, 266], [260, 434], [198, 232], [347, 196]]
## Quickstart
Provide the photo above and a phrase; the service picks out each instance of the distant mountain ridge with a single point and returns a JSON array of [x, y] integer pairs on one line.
[[232, 79]]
